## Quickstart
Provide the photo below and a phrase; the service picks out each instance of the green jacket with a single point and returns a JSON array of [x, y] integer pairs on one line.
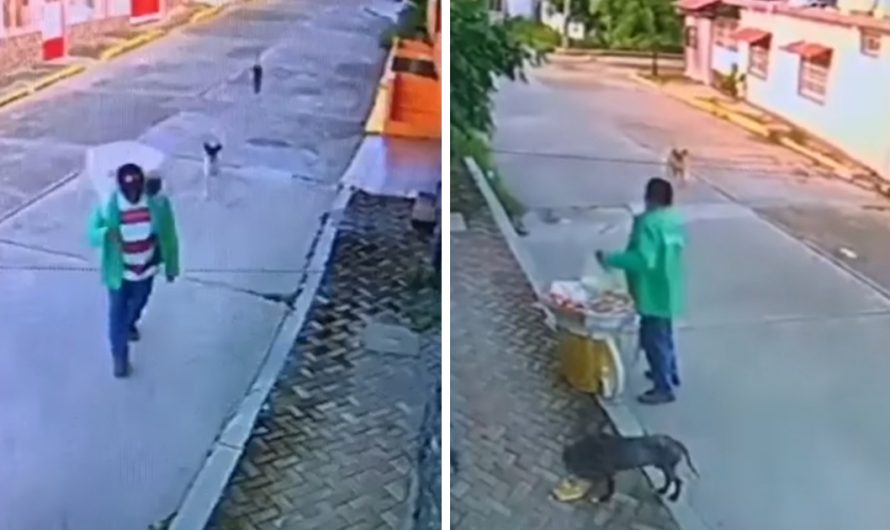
[[653, 263], [108, 216]]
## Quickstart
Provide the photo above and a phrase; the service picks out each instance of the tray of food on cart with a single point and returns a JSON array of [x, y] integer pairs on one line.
[[576, 305]]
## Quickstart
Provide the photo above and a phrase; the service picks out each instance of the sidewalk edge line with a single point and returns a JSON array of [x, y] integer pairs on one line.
[[40, 195], [205, 491], [815, 251], [503, 221], [625, 422]]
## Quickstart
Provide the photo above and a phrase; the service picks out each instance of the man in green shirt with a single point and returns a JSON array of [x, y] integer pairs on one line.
[[653, 264], [135, 232]]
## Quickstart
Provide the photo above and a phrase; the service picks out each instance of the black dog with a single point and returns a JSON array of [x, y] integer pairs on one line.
[[602, 456]]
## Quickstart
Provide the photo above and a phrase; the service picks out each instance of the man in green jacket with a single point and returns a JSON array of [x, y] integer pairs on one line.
[[135, 232], [653, 263]]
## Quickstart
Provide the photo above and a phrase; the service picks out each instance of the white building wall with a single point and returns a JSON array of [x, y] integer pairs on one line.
[[855, 115]]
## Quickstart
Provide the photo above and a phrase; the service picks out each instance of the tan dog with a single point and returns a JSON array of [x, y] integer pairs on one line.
[[677, 164]]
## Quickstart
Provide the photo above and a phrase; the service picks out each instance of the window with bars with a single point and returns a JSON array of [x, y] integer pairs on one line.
[[758, 60], [870, 43], [813, 78], [724, 28]]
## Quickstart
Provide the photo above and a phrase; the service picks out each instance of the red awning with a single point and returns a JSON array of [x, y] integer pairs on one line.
[[809, 50], [696, 5], [752, 36]]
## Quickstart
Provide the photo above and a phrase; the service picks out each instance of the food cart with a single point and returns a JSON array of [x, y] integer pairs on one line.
[[594, 318]]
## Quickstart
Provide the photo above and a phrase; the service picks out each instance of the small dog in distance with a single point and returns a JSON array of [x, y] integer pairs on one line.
[[677, 165]]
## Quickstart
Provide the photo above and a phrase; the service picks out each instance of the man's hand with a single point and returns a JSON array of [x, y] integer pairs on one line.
[[601, 257], [171, 278]]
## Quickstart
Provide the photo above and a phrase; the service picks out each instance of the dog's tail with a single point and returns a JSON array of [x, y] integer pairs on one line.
[[688, 459]]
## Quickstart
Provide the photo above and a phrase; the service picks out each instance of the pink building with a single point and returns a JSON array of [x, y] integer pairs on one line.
[[826, 70], [36, 30]]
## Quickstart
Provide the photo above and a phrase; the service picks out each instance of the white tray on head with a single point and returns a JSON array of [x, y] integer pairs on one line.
[[103, 161]]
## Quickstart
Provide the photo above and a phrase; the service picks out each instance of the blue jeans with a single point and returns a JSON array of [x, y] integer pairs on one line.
[[124, 310], [657, 341]]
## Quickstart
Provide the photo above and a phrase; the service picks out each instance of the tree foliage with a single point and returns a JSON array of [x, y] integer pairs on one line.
[[481, 51], [638, 24], [540, 38], [579, 10]]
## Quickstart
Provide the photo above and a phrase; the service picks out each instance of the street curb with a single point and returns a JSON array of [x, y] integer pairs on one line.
[[42, 83], [208, 487], [503, 220], [619, 54], [206, 14], [749, 125], [14, 96], [52, 79], [131, 44], [817, 157], [376, 122], [625, 422]]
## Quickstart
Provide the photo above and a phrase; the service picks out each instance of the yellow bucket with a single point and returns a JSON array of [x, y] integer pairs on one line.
[[587, 363]]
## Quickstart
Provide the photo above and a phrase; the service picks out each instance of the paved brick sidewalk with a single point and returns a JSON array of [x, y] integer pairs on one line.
[[345, 428], [511, 412]]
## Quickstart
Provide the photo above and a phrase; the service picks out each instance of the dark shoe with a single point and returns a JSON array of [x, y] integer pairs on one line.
[[655, 397], [134, 335], [121, 369], [674, 380]]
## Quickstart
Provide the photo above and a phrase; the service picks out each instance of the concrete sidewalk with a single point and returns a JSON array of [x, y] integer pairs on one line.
[[336, 444], [81, 449], [783, 352]]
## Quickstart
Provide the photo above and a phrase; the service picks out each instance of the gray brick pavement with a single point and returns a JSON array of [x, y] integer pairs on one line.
[[339, 441], [511, 412]]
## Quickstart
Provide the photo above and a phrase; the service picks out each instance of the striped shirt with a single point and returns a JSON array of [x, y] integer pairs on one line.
[[139, 241]]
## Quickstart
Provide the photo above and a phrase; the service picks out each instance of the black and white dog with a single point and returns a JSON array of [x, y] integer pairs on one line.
[[212, 147]]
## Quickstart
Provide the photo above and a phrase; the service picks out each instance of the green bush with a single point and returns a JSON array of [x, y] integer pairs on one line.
[[481, 52], [537, 36], [638, 25], [473, 145], [476, 146]]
